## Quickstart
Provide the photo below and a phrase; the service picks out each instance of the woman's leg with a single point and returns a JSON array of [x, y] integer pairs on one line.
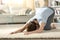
[[48, 25]]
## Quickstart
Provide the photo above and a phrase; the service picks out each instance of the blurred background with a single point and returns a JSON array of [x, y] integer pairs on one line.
[[20, 11]]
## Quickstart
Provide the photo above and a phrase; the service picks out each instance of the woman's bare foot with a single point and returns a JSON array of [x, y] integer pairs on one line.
[[53, 26]]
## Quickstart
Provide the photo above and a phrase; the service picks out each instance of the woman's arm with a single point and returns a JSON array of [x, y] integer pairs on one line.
[[21, 29], [38, 30]]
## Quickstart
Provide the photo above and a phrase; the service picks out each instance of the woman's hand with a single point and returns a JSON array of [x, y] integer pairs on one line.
[[18, 31], [13, 32]]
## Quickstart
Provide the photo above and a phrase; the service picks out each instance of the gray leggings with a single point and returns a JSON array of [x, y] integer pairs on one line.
[[49, 21]]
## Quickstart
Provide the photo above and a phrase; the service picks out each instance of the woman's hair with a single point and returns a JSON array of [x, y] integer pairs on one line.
[[32, 25]]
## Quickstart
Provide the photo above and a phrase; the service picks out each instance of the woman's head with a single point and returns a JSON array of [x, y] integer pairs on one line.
[[33, 25]]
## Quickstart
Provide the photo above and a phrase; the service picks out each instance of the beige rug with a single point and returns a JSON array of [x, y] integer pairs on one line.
[[5, 31]]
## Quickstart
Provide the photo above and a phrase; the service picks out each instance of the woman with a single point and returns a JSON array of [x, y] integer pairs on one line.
[[37, 23]]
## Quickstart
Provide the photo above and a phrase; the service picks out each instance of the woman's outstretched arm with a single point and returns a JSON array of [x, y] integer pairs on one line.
[[21, 29]]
